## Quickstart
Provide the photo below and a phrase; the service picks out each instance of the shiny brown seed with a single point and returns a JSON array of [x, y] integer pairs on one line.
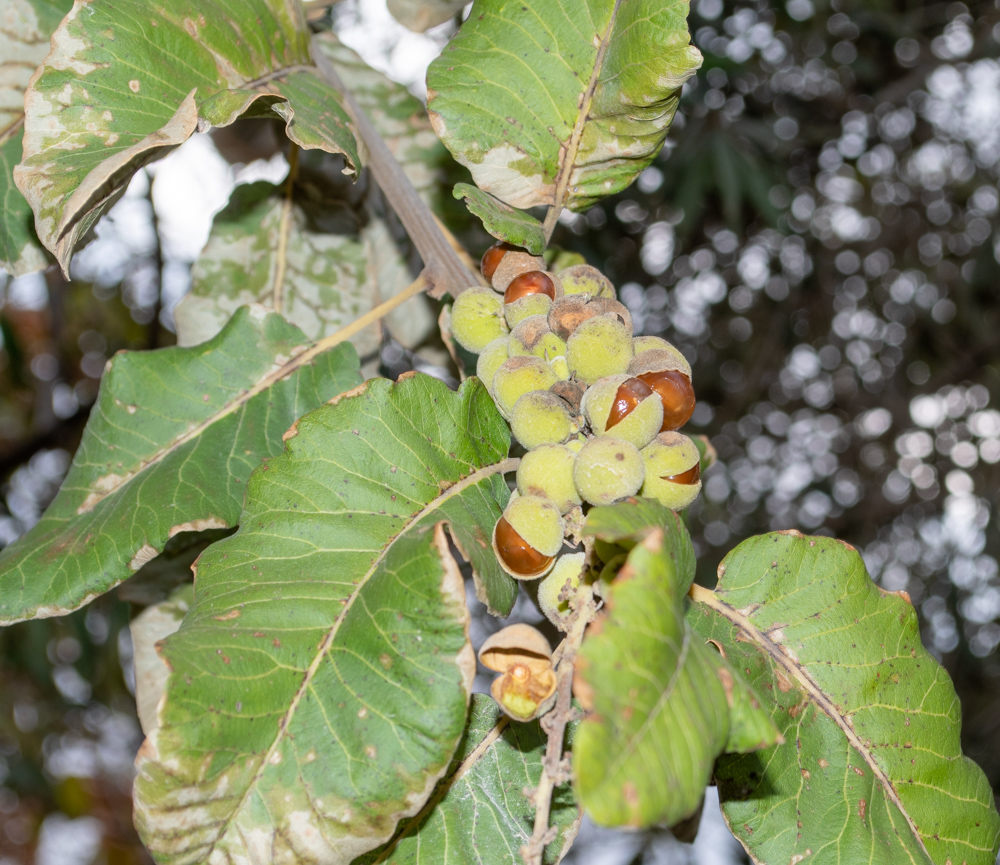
[[688, 478], [630, 393], [493, 255], [517, 553], [676, 394], [532, 282]]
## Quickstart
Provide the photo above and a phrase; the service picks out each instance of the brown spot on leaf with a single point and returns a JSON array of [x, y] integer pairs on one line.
[[225, 617]]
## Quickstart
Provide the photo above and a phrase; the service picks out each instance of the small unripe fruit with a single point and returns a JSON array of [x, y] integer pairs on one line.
[[559, 586], [547, 471], [477, 319], [490, 360], [673, 470], [607, 469], [600, 346], [532, 282], [540, 417], [526, 687], [493, 256], [560, 368], [528, 536], [663, 372], [569, 312], [532, 304], [625, 407], [512, 265], [517, 376], [584, 279], [532, 336]]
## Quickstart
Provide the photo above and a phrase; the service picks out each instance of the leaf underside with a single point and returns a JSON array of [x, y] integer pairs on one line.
[[204, 64], [660, 712], [503, 221], [871, 769], [24, 42], [320, 680], [562, 104], [479, 812], [168, 448]]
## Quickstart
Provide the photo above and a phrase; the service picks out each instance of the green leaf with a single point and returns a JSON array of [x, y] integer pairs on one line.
[[153, 624], [168, 448], [24, 42], [660, 716], [635, 519], [320, 680], [503, 221], [479, 812], [561, 104], [161, 72], [871, 769], [421, 15]]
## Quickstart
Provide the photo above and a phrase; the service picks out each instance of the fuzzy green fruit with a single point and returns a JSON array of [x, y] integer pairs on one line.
[[584, 279], [517, 376], [477, 319], [600, 346], [624, 407], [547, 471], [490, 360], [519, 310], [673, 473], [607, 469], [540, 417], [556, 589], [528, 536], [532, 336]]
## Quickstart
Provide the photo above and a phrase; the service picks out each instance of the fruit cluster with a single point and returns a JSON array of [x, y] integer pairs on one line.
[[595, 407]]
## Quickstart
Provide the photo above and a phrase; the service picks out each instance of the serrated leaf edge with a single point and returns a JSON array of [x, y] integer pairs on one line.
[[778, 654]]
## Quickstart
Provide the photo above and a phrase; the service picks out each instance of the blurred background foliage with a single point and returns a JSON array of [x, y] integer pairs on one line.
[[819, 237]]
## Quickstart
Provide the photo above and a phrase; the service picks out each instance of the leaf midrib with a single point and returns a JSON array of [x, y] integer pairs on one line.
[[710, 599], [502, 467]]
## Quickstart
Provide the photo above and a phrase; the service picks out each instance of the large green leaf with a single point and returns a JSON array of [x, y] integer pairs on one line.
[[25, 26], [127, 81], [660, 696], [168, 448], [479, 812], [320, 680], [872, 768], [561, 103]]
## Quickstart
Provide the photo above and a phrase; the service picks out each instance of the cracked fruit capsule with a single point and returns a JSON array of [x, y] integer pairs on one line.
[[663, 372], [555, 591], [528, 536], [567, 313], [607, 469], [532, 282], [600, 346], [625, 407], [673, 470], [477, 319], [512, 265], [517, 376], [494, 255], [540, 417], [547, 471], [526, 686], [527, 307], [532, 336]]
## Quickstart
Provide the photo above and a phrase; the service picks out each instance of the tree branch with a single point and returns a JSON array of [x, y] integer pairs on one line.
[[443, 269]]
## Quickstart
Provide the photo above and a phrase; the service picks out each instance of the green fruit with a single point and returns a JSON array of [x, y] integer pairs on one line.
[[673, 471], [584, 279], [477, 319], [532, 304], [559, 586], [532, 336], [517, 376], [600, 346], [540, 417], [560, 368], [528, 536], [490, 359], [624, 407], [607, 469], [547, 471]]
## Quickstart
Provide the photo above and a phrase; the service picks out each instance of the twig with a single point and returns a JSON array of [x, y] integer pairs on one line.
[[443, 269], [554, 768]]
